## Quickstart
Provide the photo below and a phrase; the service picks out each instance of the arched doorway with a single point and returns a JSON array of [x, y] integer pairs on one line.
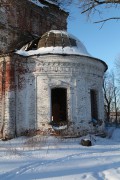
[[59, 105]]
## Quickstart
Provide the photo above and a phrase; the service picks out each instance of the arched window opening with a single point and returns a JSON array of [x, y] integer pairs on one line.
[[59, 106]]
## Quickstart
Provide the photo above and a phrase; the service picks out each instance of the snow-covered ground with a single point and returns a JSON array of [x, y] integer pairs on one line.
[[53, 158]]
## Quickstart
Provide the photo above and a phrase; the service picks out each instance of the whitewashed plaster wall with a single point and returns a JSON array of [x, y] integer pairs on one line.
[[28, 106], [77, 74]]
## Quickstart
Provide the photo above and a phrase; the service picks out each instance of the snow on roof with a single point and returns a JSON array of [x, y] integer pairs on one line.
[[51, 2], [57, 42], [37, 3], [54, 50]]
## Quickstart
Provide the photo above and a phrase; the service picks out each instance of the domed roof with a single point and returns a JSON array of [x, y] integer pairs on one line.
[[57, 42]]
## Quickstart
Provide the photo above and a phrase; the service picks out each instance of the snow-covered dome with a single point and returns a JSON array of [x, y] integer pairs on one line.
[[56, 42], [62, 42]]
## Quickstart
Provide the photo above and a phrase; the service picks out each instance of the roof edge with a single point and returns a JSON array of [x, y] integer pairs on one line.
[[97, 59]]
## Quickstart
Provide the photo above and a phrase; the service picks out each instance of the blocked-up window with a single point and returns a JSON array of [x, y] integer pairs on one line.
[[94, 107]]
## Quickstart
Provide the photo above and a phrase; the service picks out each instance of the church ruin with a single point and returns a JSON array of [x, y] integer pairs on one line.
[[50, 84]]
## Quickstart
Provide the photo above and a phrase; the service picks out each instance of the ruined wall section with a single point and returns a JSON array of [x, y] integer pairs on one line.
[[7, 97], [21, 21]]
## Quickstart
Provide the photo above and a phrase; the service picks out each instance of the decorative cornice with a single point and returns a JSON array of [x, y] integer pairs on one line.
[[58, 68]]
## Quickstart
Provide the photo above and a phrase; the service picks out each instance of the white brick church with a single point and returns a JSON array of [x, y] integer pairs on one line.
[[55, 87]]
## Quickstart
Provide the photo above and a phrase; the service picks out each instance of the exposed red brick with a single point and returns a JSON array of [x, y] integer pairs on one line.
[[0, 80], [9, 77]]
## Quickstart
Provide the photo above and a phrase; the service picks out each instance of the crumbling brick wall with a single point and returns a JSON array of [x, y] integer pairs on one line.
[[22, 20], [7, 96]]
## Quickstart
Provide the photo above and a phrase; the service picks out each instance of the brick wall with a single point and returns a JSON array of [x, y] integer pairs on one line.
[[21, 21]]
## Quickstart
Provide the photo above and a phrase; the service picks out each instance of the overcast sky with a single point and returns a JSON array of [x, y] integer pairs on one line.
[[103, 43]]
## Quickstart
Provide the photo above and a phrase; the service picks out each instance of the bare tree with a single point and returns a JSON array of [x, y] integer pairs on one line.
[[116, 97], [117, 64], [111, 96], [108, 95], [91, 7], [99, 6]]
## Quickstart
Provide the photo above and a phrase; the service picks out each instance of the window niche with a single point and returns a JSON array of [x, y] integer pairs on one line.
[[94, 104], [59, 105]]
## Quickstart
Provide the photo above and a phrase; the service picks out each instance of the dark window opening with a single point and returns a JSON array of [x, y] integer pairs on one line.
[[59, 105], [73, 42], [94, 108]]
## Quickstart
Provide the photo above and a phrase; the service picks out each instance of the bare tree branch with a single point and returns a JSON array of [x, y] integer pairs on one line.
[[104, 20], [91, 7]]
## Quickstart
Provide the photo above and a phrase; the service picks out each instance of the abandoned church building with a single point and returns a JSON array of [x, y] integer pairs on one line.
[[49, 83]]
